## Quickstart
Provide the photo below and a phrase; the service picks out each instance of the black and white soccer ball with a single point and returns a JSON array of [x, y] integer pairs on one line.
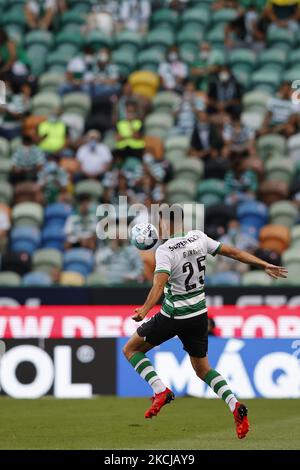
[[144, 236]]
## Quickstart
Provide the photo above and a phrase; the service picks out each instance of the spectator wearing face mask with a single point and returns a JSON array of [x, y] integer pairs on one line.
[[94, 157], [80, 73], [106, 82], [204, 65], [246, 29], [224, 94], [53, 134], [173, 71]]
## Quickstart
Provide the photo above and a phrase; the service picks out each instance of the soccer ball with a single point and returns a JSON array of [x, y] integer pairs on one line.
[[144, 236]]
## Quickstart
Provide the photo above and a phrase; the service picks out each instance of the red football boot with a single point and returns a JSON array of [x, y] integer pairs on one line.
[[241, 420], [158, 401]]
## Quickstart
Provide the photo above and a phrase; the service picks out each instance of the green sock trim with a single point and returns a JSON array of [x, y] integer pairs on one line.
[[143, 366], [226, 394], [150, 375], [219, 385], [136, 358], [211, 374]]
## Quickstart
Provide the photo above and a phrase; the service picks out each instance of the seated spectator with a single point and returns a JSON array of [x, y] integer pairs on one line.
[[129, 136], [157, 166], [185, 112], [53, 180], [239, 140], [206, 140], [80, 227], [53, 134], [282, 113], [246, 28], [283, 13], [173, 71], [94, 157], [224, 94], [14, 63], [106, 81], [27, 161], [19, 263], [236, 237], [4, 228], [148, 188], [102, 16], [79, 74], [15, 110], [134, 15], [241, 183], [40, 13], [127, 96], [119, 262], [204, 65]]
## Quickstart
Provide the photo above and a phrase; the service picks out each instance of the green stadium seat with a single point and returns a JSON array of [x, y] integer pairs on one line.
[[96, 39], [188, 53], [293, 145], [266, 80], [165, 101], [164, 17], [49, 82], [149, 59], [270, 145], [224, 15], [216, 36], [255, 100], [279, 169], [293, 57], [280, 38], [47, 259], [5, 167], [125, 59], [129, 39], [91, 187], [244, 58], [189, 169], [283, 213], [65, 37], [189, 37], [177, 143], [14, 21], [295, 234], [9, 279], [291, 257], [158, 121], [163, 38], [72, 17], [45, 103], [256, 278], [6, 192], [27, 214], [81, 6], [211, 191], [40, 37], [76, 103], [96, 279], [4, 148], [57, 61], [272, 57], [37, 55], [179, 190], [199, 16], [292, 74]]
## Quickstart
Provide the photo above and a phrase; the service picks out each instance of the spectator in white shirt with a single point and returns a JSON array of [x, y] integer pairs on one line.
[[94, 157], [134, 15], [173, 71]]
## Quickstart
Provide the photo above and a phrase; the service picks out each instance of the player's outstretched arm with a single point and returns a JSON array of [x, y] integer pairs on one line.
[[159, 282], [244, 257]]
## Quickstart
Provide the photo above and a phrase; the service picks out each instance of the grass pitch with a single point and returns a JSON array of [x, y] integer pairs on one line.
[[118, 423]]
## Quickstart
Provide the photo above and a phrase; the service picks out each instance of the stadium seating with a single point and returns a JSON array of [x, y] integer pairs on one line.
[[25, 239], [274, 237], [36, 279], [256, 278], [47, 259], [79, 260], [9, 279]]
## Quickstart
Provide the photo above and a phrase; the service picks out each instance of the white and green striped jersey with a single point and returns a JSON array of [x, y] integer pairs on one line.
[[183, 258]]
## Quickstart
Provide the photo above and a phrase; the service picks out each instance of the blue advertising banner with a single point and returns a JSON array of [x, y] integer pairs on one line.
[[267, 368]]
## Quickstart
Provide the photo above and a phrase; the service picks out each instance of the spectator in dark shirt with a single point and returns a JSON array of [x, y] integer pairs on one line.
[[206, 140], [224, 93]]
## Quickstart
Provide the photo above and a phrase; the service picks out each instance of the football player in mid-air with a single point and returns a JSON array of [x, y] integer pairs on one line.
[[179, 273]]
